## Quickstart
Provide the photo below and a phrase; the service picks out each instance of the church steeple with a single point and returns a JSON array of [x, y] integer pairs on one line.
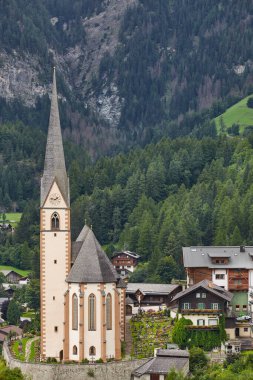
[[54, 167]]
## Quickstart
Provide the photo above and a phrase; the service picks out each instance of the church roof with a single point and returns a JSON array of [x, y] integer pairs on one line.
[[91, 264], [54, 167]]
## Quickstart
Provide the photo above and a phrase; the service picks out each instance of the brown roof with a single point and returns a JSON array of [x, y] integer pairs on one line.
[[209, 287]]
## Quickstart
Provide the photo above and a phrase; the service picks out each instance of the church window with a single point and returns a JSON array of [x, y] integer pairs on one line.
[[55, 221], [109, 312], [92, 351], [92, 312], [55, 261], [74, 350], [55, 328], [74, 312]]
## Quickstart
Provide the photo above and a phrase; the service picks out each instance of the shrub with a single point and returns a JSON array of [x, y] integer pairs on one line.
[[100, 360], [90, 373], [198, 359], [250, 102]]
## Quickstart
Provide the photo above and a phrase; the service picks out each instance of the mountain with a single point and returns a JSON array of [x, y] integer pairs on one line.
[[128, 71]]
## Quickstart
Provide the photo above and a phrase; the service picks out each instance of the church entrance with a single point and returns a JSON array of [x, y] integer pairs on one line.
[[61, 355]]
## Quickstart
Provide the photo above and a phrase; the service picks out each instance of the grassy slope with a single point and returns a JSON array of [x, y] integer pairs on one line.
[[239, 113], [23, 273], [12, 217]]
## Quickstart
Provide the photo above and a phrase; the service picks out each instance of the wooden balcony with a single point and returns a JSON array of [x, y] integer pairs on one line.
[[193, 327], [201, 311]]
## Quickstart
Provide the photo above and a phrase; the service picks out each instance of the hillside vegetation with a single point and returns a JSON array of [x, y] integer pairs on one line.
[[239, 114], [126, 73], [154, 201]]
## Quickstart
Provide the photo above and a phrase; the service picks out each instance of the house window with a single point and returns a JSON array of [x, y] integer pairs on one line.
[[186, 306], [197, 295], [201, 305], [109, 312], [244, 307], [245, 329], [55, 221], [74, 350], [92, 312], [215, 306], [203, 295], [237, 307], [92, 351], [201, 322], [212, 322], [220, 276], [74, 312]]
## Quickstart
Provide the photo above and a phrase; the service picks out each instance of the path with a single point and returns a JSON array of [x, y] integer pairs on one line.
[[28, 347], [129, 340]]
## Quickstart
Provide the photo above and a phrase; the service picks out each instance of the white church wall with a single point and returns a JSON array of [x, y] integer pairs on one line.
[[110, 334], [73, 334], [92, 338]]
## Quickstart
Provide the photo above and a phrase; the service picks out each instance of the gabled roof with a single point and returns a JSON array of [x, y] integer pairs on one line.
[[150, 288], [209, 287], [92, 264], [54, 166], [128, 253], [201, 257], [163, 363]]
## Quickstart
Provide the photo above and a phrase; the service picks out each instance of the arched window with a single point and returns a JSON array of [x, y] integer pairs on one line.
[[74, 350], [74, 312], [55, 221], [92, 312], [92, 351], [109, 311]]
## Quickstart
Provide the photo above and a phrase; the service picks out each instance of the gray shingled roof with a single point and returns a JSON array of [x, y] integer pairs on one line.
[[92, 264], [54, 166], [164, 363], [208, 286], [200, 257], [150, 288]]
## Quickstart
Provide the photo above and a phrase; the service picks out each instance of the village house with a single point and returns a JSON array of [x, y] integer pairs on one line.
[[203, 303], [158, 367], [227, 267], [149, 296], [11, 276], [125, 262]]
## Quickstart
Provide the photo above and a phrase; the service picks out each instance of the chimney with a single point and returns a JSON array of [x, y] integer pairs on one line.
[[242, 248]]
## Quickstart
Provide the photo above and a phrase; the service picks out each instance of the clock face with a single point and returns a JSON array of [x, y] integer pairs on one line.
[[55, 199]]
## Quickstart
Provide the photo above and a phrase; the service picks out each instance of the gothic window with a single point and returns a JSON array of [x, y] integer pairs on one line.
[[92, 351], [109, 312], [74, 312], [55, 221], [74, 350], [92, 312]]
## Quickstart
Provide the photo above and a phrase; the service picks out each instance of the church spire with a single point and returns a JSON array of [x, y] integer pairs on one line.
[[54, 167]]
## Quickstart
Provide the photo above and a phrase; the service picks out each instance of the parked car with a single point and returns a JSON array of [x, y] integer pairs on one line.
[[243, 318]]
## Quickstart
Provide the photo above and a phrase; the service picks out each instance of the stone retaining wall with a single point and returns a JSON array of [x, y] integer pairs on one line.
[[41, 371]]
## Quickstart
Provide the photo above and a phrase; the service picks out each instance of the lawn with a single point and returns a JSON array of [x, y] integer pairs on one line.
[[29, 314], [35, 351], [150, 331], [239, 114], [23, 273], [15, 348], [11, 217]]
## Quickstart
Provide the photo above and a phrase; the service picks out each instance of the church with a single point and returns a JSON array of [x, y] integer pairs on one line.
[[82, 296]]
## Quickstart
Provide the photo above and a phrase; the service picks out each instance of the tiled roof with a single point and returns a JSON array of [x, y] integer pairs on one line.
[[201, 257], [150, 288], [209, 287], [163, 363], [54, 166], [92, 264]]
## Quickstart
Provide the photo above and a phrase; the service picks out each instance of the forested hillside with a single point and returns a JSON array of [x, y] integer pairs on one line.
[[154, 200], [128, 71]]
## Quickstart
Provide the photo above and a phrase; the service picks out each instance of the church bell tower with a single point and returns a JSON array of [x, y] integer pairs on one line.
[[55, 239]]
